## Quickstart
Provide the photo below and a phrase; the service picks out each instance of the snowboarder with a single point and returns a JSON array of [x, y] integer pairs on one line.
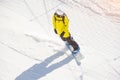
[[61, 24]]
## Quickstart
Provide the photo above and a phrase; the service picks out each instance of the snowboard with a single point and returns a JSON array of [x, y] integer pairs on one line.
[[77, 55]]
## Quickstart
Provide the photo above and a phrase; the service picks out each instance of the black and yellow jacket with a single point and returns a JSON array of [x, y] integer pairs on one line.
[[61, 24]]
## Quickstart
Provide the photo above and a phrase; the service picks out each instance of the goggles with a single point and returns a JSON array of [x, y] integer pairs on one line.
[[60, 16]]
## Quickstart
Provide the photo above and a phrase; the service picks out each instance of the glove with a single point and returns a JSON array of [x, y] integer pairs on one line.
[[55, 31]]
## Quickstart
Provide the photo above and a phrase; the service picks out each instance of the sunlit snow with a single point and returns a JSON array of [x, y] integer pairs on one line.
[[30, 50]]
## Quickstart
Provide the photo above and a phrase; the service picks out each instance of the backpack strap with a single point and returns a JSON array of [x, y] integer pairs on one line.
[[63, 19]]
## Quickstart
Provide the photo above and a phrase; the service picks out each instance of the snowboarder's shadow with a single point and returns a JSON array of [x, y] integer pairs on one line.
[[38, 71]]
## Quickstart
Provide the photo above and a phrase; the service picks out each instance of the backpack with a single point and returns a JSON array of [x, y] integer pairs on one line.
[[63, 19]]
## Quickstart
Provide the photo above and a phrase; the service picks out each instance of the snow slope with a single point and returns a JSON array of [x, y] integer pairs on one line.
[[30, 50]]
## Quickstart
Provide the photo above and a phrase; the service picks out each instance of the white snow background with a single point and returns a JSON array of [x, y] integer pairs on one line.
[[30, 50]]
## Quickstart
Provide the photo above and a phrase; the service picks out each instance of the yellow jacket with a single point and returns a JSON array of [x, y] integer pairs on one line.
[[61, 26]]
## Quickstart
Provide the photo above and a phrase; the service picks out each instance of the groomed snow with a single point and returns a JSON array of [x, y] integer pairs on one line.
[[30, 50]]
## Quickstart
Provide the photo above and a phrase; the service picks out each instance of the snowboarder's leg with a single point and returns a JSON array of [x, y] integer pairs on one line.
[[73, 43], [74, 48], [70, 41]]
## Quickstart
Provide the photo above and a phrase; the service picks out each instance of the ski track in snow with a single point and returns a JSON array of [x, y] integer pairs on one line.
[[56, 59], [20, 52]]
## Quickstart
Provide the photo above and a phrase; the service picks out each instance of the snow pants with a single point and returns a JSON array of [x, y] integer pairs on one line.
[[71, 41]]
